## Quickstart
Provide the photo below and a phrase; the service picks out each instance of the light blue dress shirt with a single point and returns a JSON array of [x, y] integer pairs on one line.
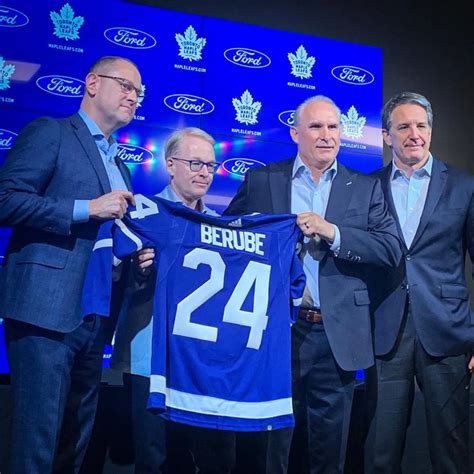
[[107, 151], [306, 195], [409, 196], [169, 194]]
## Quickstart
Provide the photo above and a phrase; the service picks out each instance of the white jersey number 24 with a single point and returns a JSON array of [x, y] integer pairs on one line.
[[255, 273]]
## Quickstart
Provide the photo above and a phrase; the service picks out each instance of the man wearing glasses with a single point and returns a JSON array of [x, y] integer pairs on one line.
[[60, 180], [190, 162]]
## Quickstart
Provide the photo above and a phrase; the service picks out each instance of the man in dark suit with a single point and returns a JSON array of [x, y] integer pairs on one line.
[[60, 180], [422, 317], [348, 231]]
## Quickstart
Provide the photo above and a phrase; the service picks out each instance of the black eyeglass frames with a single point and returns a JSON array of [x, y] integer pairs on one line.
[[126, 86], [196, 165]]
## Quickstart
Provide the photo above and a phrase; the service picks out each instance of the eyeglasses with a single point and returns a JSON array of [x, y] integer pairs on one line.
[[196, 165], [126, 86]]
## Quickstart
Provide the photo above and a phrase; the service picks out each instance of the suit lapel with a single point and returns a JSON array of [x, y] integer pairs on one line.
[[280, 188], [387, 191], [340, 195], [91, 151], [124, 172], [435, 189]]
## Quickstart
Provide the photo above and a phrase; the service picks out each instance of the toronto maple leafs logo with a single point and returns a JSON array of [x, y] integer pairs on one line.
[[6, 71], [352, 124], [142, 97], [301, 63], [66, 26], [247, 110], [190, 46]]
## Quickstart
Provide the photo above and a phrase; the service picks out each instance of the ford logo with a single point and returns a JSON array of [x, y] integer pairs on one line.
[[240, 166], [130, 37], [134, 154], [9, 17], [188, 104], [6, 139], [354, 75], [63, 86], [247, 57], [287, 117]]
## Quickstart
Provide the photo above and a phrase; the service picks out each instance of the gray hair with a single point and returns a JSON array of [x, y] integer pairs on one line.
[[174, 140], [405, 98], [106, 61], [310, 100]]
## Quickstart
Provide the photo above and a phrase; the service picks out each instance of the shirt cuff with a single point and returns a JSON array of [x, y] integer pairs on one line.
[[80, 212], [336, 245]]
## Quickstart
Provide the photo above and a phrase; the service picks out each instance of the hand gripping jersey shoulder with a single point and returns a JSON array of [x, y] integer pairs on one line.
[[226, 295]]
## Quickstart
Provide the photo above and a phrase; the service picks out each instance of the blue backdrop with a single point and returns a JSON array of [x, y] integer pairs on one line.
[[239, 82]]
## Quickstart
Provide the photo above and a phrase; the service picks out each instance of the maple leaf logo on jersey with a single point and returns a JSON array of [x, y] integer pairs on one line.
[[301, 63], [247, 110], [6, 71], [66, 26], [190, 46], [352, 124]]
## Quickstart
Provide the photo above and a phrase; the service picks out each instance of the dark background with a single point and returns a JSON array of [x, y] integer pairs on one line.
[[427, 48]]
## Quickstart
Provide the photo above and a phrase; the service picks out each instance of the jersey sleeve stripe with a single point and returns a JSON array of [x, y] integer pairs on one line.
[[158, 384], [297, 301], [103, 243], [128, 233]]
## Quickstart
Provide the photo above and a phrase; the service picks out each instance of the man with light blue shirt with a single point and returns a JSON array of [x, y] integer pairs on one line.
[[190, 162], [422, 316], [60, 180], [348, 231]]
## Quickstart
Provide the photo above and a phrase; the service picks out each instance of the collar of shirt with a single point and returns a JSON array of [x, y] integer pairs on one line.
[[419, 173], [110, 149], [169, 194], [301, 171]]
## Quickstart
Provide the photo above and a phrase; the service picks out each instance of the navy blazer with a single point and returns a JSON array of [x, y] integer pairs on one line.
[[53, 163], [432, 269], [368, 238]]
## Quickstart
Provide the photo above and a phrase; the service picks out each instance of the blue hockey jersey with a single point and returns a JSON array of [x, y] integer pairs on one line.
[[227, 292]]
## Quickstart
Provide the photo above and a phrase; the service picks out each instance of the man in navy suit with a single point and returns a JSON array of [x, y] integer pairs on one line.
[[60, 180], [422, 316], [348, 232]]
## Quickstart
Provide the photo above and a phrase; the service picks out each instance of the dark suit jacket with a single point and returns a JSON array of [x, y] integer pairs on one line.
[[53, 163], [368, 238], [433, 268]]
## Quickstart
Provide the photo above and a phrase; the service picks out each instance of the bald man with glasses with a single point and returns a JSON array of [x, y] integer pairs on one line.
[[126, 86], [59, 182]]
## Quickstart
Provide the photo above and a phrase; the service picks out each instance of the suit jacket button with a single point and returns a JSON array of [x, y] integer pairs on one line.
[[408, 257]]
